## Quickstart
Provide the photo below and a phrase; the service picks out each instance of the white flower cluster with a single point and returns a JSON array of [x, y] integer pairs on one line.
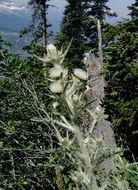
[[81, 74], [54, 55], [56, 72]]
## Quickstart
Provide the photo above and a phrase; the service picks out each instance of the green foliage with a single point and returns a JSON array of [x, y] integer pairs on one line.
[[80, 24], [122, 71], [72, 28], [24, 31], [22, 139], [133, 8], [132, 178]]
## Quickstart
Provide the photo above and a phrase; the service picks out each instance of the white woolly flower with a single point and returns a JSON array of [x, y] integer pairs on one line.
[[54, 55], [56, 71], [51, 48], [81, 74], [57, 87]]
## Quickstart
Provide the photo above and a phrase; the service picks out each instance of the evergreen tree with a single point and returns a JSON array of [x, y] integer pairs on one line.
[[39, 24], [72, 28], [122, 71], [133, 24], [96, 9], [134, 9], [79, 23]]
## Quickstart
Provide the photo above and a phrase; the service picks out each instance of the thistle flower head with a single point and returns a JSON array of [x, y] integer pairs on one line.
[[64, 141], [54, 55], [51, 48], [57, 71], [81, 74], [57, 87]]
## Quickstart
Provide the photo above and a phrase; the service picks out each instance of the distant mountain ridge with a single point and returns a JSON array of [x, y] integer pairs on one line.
[[12, 23], [15, 15]]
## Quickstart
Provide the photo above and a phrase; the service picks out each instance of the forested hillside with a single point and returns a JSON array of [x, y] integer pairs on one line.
[[68, 110]]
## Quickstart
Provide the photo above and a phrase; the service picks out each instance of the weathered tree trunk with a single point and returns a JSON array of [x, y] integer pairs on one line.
[[95, 94]]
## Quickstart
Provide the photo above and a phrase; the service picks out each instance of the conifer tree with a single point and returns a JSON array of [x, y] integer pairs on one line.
[[96, 9], [72, 28], [39, 20], [79, 23], [39, 25], [121, 92], [134, 9], [133, 25]]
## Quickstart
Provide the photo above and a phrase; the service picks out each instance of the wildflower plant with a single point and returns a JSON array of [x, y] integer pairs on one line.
[[65, 118]]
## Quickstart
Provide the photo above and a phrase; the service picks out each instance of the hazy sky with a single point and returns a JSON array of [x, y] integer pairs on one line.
[[120, 6]]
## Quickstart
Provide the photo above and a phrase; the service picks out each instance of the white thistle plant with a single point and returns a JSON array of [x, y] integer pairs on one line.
[[54, 55], [68, 107]]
